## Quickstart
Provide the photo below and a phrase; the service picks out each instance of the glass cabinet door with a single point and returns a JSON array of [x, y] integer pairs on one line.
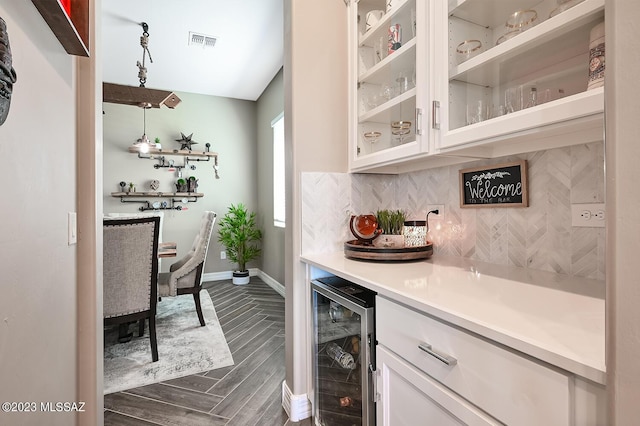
[[509, 66], [387, 57]]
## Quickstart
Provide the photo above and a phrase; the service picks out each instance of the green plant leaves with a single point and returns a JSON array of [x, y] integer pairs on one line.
[[391, 221], [240, 235]]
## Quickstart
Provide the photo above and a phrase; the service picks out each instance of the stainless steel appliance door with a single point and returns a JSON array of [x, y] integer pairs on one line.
[[343, 382]]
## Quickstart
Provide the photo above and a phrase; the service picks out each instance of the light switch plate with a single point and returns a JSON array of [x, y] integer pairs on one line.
[[588, 215], [72, 226]]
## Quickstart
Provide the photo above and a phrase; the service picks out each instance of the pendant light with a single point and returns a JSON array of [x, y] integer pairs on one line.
[[143, 143]]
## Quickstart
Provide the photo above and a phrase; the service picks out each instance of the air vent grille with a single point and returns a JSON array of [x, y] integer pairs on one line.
[[202, 40]]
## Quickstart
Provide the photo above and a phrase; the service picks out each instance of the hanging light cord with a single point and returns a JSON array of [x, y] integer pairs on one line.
[[144, 42]]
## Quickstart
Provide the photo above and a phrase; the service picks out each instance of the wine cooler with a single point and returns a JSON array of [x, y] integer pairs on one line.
[[343, 353]]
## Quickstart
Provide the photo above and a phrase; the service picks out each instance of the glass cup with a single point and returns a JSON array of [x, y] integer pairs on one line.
[[477, 111], [532, 99], [467, 50], [506, 36], [386, 92], [513, 99], [521, 20], [400, 129], [372, 137], [517, 23], [402, 83], [549, 95], [380, 49], [563, 5]]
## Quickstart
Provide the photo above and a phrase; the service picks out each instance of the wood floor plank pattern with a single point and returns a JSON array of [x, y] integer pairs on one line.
[[245, 394]]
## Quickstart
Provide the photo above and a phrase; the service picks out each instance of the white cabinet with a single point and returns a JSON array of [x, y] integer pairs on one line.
[[437, 371], [388, 71], [527, 92], [407, 396], [528, 81]]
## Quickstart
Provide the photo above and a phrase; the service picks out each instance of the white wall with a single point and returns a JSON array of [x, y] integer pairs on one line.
[[623, 211], [38, 151], [315, 81], [229, 125], [270, 104]]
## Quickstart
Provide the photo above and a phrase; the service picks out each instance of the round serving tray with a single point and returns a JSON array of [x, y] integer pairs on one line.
[[355, 249]]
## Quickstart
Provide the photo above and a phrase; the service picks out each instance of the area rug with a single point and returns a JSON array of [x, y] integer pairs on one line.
[[184, 347]]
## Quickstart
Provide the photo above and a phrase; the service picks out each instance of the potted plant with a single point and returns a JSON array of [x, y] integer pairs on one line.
[[181, 185], [240, 235], [391, 222]]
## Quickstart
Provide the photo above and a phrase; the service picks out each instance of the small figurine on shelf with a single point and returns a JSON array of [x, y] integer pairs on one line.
[[123, 185], [185, 141]]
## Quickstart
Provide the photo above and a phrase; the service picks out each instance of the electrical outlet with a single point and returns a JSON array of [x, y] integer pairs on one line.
[[439, 207], [588, 215], [223, 255]]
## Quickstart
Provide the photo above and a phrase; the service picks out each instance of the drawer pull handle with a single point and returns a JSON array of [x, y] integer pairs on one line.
[[446, 359]]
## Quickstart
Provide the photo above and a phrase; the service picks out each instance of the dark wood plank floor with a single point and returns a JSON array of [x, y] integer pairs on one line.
[[247, 393]]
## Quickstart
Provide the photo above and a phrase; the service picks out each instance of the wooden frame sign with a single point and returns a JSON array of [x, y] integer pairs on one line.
[[499, 185]]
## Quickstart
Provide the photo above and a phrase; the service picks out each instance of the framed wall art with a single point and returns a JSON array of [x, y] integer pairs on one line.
[[498, 185]]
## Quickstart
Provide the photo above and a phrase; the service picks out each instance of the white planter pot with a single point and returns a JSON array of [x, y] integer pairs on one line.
[[240, 277]]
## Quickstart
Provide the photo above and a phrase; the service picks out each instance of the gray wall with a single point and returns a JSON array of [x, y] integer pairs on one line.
[[227, 124], [270, 104], [38, 146]]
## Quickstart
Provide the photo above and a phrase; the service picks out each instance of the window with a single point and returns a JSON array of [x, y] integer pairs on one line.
[[278, 171]]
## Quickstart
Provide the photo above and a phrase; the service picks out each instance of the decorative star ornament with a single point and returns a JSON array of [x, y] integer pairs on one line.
[[186, 142]]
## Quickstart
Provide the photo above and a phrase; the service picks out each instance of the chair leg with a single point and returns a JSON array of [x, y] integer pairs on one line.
[[196, 298], [141, 328], [152, 335]]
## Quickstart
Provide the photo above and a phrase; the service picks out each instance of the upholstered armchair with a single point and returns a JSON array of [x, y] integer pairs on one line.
[[185, 276], [130, 273]]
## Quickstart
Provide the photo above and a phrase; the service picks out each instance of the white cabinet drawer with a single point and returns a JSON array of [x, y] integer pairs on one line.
[[510, 387], [408, 397]]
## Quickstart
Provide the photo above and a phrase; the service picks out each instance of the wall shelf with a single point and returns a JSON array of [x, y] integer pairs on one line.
[[182, 152], [157, 194], [175, 197], [72, 31]]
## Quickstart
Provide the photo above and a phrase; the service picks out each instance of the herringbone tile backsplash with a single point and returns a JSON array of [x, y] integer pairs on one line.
[[539, 236]]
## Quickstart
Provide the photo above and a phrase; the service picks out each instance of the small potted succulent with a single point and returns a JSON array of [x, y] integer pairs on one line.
[[192, 183], [181, 185], [391, 222]]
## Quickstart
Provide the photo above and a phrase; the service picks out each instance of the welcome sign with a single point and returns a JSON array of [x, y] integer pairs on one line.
[[501, 185]]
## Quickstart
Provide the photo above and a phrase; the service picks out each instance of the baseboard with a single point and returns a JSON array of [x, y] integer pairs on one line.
[[217, 276], [227, 275], [279, 288], [298, 407]]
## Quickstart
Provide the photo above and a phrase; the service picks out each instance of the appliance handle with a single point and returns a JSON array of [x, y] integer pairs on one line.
[[444, 358]]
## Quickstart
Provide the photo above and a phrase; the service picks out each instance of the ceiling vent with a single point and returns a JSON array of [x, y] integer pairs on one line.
[[202, 40]]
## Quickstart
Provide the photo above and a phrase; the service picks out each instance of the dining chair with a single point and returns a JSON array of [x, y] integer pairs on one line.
[[185, 275], [130, 273]]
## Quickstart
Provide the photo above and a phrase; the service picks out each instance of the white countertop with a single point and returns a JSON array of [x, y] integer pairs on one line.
[[555, 318]]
